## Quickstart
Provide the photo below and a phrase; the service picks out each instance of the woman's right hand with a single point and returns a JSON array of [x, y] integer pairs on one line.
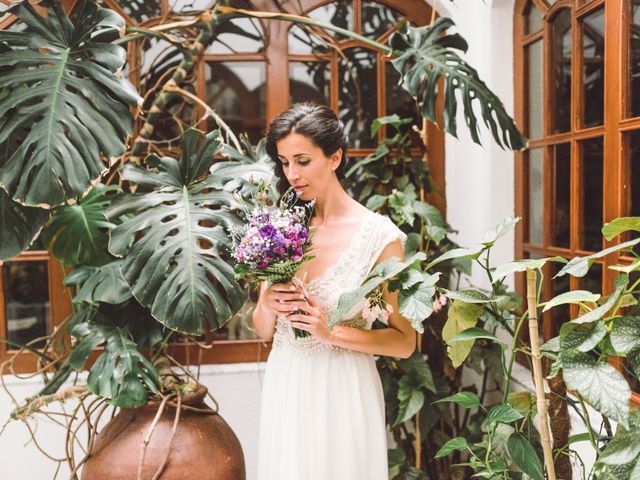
[[276, 297]]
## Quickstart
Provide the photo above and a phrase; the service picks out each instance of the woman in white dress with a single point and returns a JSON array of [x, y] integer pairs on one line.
[[322, 411]]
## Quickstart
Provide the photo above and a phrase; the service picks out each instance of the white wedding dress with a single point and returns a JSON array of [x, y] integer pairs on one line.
[[322, 414]]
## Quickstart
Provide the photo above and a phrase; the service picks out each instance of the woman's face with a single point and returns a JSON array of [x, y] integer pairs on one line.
[[306, 167]]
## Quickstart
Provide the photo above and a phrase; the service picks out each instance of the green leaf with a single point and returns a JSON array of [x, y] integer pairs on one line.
[[524, 456], [522, 265], [620, 283], [461, 316], [102, 285], [620, 225], [551, 345], [121, 373], [456, 443], [625, 333], [523, 402], [174, 265], [79, 234], [574, 296], [410, 400], [492, 236], [582, 337], [66, 106], [431, 69], [600, 383], [19, 226], [474, 333], [502, 413], [394, 120], [423, 377], [464, 399], [457, 253], [473, 296], [579, 266], [381, 151], [416, 303], [382, 273]]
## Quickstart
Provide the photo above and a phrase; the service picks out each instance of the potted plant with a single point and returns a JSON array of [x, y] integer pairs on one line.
[[143, 236]]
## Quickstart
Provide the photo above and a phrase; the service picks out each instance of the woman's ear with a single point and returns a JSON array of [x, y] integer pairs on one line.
[[336, 158]]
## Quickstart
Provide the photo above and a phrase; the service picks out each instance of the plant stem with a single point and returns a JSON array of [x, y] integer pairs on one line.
[[507, 377], [587, 421]]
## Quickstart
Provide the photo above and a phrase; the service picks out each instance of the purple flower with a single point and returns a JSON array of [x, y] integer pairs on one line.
[[268, 231]]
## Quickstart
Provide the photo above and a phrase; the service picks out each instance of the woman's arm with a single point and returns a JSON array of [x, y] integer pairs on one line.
[[397, 340]]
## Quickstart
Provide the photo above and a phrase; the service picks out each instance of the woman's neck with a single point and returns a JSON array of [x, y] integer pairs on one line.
[[334, 203]]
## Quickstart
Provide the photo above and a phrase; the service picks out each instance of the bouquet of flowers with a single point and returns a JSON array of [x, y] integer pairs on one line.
[[274, 243]]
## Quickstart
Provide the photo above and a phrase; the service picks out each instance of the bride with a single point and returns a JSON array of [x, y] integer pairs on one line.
[[322, 411]]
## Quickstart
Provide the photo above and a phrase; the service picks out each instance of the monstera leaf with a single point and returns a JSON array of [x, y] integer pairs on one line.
[[121, 373], [172, 240], [244, 168], [80, 233], [19, 226], [63, 105], [425, 55]]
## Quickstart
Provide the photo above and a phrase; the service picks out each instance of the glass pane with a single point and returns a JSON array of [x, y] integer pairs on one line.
[[634, 60], [377, 19], [534, 18], [593, 69], [561, 210], [240, 326], [309, 81], [536, 196], [302, 40], [140, 10], [561, 71], [591, 181], [192, 5], [26, 295], [561, 313], [535, 99], [633, 171], [158, 56], [592, 281], [240, 35], [338, 13], [358, 100], [236, 92], [399, 101]]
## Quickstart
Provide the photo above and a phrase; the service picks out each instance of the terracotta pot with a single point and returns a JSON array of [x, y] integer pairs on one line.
[[204, 447]]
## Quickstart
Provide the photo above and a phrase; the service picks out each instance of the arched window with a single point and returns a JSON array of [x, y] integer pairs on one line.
[[577, 82]]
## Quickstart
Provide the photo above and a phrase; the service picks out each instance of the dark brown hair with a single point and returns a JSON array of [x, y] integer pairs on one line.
[[317, 123]]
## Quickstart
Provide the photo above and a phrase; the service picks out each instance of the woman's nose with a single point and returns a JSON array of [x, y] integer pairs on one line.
[[292, 171]]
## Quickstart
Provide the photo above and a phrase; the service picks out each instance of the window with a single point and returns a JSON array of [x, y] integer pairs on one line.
[[254, 70], [577, 68]]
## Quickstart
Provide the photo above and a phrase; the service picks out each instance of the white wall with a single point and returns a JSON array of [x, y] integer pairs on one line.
[[235, 387], [479, 179]]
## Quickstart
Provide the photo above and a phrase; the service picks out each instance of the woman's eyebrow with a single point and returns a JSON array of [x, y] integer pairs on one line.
[[295, 156]]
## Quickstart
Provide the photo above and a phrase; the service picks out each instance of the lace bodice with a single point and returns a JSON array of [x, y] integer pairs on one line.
[[353, 266]]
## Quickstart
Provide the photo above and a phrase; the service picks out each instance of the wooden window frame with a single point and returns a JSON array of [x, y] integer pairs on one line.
[[615, 125]]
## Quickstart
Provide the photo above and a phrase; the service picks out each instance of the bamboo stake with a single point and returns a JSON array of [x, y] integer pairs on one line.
[[545, 437]]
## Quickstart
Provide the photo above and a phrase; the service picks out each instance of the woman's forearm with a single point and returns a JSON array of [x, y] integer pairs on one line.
[[384, 341]]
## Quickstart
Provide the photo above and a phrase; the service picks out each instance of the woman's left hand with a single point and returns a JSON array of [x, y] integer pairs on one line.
[[313, 319]]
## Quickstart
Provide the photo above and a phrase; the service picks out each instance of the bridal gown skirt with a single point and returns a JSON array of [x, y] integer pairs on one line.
[[322, 417]]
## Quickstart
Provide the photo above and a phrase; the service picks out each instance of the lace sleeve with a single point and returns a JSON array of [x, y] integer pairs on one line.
[[386, 233]]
